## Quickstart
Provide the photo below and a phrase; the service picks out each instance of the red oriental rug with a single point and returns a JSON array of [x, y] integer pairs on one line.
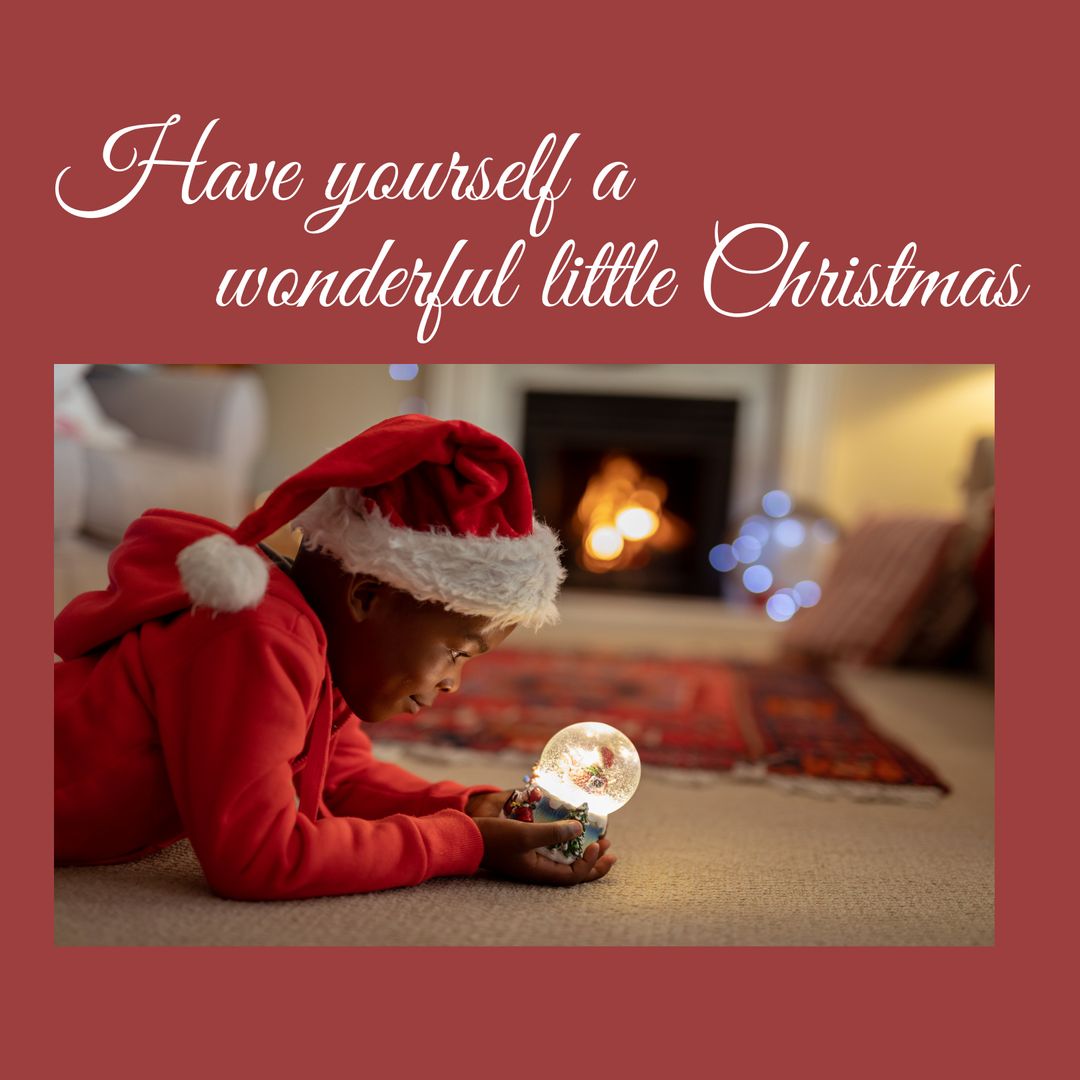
[[793, 729]]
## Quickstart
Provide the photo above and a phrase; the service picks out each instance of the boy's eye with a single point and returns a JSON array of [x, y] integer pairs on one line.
[[455, 656]]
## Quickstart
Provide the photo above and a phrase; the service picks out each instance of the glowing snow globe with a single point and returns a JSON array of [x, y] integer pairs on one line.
[[586, 771]]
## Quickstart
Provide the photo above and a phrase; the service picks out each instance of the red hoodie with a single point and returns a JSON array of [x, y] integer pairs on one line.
[[175, 722]]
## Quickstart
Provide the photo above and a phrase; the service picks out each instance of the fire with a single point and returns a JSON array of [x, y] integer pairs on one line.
[[621, 516], [637, 522], [604, 542]]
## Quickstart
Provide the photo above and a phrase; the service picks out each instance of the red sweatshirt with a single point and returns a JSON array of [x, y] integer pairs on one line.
[[172, 722]]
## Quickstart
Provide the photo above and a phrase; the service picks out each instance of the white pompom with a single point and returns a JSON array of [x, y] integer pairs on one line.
[[221, 574]]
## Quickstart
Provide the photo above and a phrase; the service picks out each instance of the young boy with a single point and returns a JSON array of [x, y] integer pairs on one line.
[[214, 692]]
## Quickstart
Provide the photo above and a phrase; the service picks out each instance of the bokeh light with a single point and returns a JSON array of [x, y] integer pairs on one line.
[[636, 522], [747, 549], [780, 607], [757, 578], [808, 593], [757, 527], [622, 519], [604, 542], [723, 558], [650, 498], [776, 503], [790, 532], [404, 372]]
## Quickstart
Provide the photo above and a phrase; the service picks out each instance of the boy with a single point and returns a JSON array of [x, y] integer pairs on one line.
[[214, 693]]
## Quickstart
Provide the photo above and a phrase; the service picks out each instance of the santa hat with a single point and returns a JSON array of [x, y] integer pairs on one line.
[[438, 508]]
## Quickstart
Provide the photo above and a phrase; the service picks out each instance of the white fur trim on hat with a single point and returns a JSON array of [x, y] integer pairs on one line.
[[221, 574], [506, 579]]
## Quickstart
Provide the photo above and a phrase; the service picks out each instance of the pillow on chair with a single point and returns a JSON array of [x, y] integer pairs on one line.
[[870, 604]]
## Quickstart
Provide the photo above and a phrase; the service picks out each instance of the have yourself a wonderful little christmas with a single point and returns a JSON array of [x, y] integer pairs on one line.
[[616, 274]]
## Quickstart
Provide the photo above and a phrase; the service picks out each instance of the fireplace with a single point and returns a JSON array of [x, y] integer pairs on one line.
[[638, 487]]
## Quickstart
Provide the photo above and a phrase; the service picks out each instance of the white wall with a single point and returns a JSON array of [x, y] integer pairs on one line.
[[866, 438], [315, 407]]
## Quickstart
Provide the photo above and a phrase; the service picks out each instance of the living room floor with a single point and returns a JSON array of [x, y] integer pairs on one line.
[[713, 862]]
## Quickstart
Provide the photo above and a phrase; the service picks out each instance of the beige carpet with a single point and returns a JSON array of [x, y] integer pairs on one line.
[[724, 863]]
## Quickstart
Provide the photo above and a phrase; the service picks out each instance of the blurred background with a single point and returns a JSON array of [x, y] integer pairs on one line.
[[815, 511]]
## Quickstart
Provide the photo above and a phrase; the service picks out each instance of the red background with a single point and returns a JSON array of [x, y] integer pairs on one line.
[[853, 128]]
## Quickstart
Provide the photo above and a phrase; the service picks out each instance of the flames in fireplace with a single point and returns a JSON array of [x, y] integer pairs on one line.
[[621, 519]]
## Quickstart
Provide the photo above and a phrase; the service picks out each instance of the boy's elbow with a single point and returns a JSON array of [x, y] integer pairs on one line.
[[263, 863], [255, 877], [232, 885]]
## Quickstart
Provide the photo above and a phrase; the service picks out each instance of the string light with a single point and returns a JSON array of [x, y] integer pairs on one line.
[[758, 578], [404, 372], [747, 549], [760, 546], [776, 503], [757, 527], [723, 558], [808, 593], [790, 532], [780, 607]]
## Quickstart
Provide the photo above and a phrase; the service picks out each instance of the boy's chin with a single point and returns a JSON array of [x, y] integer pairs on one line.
[[370, 713], [377, 713]]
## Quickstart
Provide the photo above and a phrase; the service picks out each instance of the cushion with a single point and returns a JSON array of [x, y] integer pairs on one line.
[[870, 602]]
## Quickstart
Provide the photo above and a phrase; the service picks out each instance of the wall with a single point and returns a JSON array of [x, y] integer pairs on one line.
[[899, 437], [315, 407]]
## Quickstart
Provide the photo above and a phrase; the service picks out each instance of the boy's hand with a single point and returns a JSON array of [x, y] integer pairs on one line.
[[510, 850], [487, 803]]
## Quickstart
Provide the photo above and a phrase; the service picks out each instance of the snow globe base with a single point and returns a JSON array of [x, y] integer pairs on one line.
[[533, 803]]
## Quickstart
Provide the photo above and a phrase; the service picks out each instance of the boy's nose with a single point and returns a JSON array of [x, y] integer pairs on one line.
[[449, 684]]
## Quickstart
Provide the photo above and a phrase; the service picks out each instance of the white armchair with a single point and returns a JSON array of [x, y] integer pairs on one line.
[[195, 436]]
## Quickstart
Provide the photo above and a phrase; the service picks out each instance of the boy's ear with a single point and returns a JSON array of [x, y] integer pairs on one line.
[[363, 593]]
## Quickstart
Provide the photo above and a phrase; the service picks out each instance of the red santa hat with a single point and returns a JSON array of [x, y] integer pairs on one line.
[[438, 508]]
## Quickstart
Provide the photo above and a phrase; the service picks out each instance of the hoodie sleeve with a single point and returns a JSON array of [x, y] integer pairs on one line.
[[234, 717], [360, 785]]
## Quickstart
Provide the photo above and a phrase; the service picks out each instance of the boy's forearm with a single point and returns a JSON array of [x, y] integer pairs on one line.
[[382, 789], [338, 856], [360, 785]]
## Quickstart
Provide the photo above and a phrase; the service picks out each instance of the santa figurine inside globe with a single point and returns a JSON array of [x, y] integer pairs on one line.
[[586, 771]]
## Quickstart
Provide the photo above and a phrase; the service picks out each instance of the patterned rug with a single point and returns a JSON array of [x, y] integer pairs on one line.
[[795, 730]]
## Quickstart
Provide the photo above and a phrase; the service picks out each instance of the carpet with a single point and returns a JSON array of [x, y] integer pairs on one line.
[[711, 864], [756, 722]]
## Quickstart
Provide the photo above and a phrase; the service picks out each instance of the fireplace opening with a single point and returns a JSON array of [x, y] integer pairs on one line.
[[637, 487]]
